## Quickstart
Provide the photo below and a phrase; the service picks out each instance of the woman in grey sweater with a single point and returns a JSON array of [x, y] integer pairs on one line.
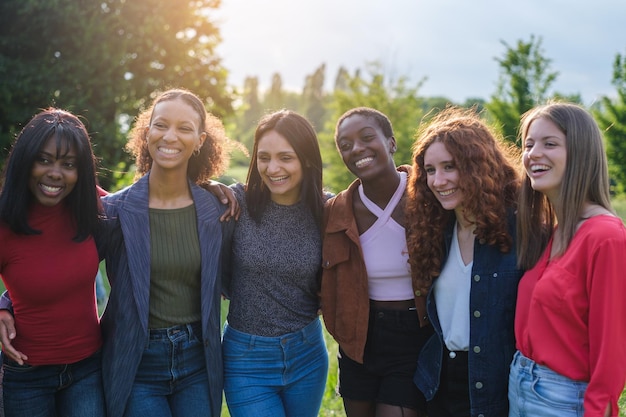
[[275, 358]]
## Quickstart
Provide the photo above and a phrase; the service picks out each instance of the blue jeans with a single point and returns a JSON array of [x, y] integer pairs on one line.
[[172, 376], [275, 376], [71, 390], [535, 390]]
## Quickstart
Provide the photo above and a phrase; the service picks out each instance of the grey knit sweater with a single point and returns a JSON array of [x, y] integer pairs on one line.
[[275, 270]]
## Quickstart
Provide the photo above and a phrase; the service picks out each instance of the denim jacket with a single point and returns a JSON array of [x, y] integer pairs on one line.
[[492, 341]]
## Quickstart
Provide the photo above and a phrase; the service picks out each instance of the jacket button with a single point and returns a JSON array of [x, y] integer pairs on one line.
[[477, 314], [418, 293], [479, 385], [476, 278], [326, 264], [476, 349]]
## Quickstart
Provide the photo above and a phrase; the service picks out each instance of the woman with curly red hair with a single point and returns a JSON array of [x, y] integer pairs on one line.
[[461, 238]]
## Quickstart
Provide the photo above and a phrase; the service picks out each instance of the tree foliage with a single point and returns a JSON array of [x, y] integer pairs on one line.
[[313, 97], [525, 79], [103, 60], [611, 117]]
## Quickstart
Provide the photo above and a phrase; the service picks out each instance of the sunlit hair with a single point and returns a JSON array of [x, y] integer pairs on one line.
[[585, 180], [487, 178], [301, 136], [212, 160], [383, 121], [69, 133]]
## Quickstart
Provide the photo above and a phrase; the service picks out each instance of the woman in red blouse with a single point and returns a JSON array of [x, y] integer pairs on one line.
[[570, 323]]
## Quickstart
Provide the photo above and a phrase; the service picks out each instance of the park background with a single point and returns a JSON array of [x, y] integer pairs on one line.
[[105, 59]]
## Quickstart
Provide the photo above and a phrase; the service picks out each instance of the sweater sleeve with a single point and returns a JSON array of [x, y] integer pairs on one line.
[[5, 302]]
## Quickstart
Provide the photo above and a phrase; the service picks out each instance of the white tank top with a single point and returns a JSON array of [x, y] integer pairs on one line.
[[384, 251]]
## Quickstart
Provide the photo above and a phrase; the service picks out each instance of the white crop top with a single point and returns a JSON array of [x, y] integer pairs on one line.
[[384, 251]]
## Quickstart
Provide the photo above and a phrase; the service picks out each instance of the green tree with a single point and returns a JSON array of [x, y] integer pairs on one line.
[[394, 97], [611, 116], [524, 81], [103, 60], [252, 111], [275, 97], [313, 97]]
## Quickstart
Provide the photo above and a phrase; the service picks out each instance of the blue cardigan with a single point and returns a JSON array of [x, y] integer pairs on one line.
[[125, 243], [493, 295]]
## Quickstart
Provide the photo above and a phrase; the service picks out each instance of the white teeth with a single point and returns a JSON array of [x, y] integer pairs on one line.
[[169, 151], [447, 192], [276, 179], [50, 189], [535, 168], [362, 162]]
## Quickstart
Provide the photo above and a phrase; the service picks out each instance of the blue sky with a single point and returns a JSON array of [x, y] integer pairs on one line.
[[452, 43]]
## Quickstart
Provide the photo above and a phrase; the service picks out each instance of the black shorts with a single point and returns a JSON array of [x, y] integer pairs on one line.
[[394, 340], [452, 398]]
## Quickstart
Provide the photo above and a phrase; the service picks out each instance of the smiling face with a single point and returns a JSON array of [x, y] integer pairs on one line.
[[364, 148], [53, 174], [442, 177], [279, 168], [173, 135], [545, 157]]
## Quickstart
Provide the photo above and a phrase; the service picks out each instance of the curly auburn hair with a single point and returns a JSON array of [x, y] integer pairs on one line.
[[488, 180], [213, 158]]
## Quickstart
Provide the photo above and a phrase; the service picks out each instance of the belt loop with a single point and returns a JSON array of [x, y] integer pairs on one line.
[[531, 366]]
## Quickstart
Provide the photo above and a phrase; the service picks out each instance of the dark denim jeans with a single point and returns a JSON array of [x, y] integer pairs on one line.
[[71, 390], [172, 377]]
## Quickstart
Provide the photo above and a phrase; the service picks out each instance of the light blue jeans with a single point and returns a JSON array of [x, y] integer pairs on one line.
[[535, 390], [275, 376], [72, 390], [172, 377]]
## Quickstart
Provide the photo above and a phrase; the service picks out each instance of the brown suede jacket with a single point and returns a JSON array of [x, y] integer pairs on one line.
[[344, 293]]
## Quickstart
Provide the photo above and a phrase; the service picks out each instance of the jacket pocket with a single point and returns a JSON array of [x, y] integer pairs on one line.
[[335, 250]]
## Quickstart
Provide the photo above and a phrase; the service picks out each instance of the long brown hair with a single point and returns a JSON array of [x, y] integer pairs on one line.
[[585, 179], [300, 134]]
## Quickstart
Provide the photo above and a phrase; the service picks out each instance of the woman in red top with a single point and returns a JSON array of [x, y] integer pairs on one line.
[[570, 322], [48, 261]]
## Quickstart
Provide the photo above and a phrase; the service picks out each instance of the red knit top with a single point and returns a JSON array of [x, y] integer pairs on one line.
[[50, 279]]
